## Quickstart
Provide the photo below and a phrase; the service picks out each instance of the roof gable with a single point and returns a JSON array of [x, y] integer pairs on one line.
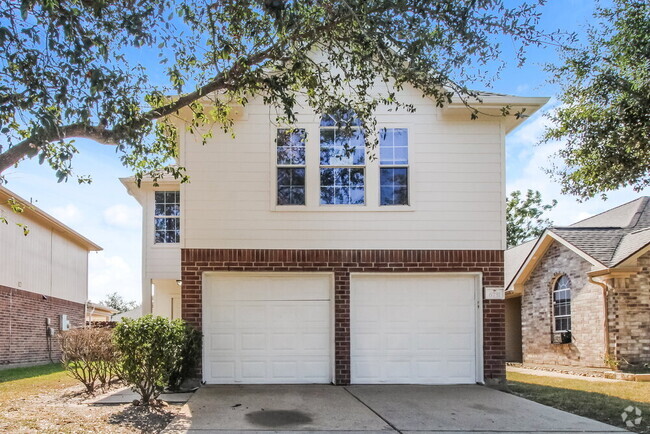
[[605, 240], [613, 235], [46, 220]]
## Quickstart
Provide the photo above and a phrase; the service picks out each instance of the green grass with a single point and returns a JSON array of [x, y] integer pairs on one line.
[[599, 400], [29, 372], [19, 383]]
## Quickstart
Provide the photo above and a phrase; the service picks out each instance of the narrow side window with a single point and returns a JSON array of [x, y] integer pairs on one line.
[[393, 166], [562, 305], [290, 154], [167, 220]]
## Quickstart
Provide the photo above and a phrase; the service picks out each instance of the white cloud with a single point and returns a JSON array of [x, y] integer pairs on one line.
[[123, 216], [69, 214], [522, 88], [108, 274], [526, 169]]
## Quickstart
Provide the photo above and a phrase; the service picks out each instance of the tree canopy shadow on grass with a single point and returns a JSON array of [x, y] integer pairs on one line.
[[593, 405], [13, 374]]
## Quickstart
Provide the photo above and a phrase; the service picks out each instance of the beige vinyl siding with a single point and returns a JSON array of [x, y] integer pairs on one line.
[[162, 261], [43, 262], [456, 188]]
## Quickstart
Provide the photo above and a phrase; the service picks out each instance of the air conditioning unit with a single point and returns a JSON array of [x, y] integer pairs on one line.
[[63, 321], [561, 338]]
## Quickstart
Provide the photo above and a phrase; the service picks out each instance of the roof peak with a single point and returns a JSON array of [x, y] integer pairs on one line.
[[624, 216]]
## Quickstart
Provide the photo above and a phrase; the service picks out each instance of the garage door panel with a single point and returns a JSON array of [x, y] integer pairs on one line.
[[315, 341], [267, 328], [223, 341], [413, 329]]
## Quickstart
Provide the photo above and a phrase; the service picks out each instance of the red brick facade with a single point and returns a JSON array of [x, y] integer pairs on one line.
[[22, 325], [343, 262]]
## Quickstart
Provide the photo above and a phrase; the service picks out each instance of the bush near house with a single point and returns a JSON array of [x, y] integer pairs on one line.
[[90, 356], [155, 352]]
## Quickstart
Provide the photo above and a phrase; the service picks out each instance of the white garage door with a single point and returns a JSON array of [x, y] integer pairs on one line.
[[266, 328], [414, 329]]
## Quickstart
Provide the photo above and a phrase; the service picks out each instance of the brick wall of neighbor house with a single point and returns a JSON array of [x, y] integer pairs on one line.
[[342, 262], [22, 325], [629, 316], [587, 347]]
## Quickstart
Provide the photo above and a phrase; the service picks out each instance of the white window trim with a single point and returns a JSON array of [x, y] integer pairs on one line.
[[312, 173], [343, 166], [152, 218], [553, 302], [287, 166], [396, 166]]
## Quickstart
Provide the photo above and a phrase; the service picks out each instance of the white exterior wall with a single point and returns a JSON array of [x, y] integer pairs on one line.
[[159, 261], [166, 299], [456, 186], [44, 261]]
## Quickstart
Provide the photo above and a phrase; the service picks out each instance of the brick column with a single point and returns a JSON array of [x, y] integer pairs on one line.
[[342, 326]]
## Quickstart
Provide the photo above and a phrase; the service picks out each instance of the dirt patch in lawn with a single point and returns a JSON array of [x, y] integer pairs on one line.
[[55, 403]]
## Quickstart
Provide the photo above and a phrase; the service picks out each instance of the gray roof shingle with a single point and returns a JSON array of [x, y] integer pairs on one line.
[[612, 236]]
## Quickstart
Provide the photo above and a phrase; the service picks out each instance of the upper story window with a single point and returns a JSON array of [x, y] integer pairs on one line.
[[393, 166], [562, 304], [342, 160], [167, 221], [290, 161]]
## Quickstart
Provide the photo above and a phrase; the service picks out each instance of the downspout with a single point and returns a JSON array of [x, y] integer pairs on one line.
[[605, 311]]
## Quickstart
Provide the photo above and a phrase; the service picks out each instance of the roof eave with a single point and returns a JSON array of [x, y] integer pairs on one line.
[[44, 218], [536, 254]]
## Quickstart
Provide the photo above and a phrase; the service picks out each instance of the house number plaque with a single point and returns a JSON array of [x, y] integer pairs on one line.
[[495, 293]]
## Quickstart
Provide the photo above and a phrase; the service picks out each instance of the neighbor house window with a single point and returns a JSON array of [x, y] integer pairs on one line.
[[562, 304], [342, 160], [393, 166], [167, 220], [290, 161]]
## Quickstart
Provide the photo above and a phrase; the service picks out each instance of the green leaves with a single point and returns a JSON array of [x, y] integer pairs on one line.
[[152, 350], [524, 216], [101, 69], [604, 111]]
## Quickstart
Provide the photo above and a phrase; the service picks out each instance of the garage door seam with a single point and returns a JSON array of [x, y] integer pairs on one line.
[[371, 409]]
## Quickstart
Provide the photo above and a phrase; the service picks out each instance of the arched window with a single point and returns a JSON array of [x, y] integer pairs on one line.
[[562, 304]]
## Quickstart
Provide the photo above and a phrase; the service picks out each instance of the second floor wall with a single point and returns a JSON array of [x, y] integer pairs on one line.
[[242, 191], [43, 261]]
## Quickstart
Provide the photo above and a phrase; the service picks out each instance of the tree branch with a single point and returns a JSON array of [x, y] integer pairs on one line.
[[32, 144]]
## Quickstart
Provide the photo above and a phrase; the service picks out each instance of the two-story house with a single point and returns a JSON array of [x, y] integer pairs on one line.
[[304, 258], [43, 281]]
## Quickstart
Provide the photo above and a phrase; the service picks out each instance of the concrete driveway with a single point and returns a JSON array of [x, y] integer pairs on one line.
[[393, 408]]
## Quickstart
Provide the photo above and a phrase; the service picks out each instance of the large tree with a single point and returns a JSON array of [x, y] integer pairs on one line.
[[102, 69], [525, 216], [604, 112]]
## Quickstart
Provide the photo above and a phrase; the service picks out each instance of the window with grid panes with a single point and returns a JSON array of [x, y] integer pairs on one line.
[[290, 160], [562, 305], [167, 221], [342, 160], [393, 166]]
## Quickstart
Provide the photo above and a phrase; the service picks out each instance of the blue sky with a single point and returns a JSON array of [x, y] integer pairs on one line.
[[105, 213]]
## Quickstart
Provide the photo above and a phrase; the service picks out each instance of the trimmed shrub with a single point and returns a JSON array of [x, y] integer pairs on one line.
[[89, 356], [151, 350], [190, 356]]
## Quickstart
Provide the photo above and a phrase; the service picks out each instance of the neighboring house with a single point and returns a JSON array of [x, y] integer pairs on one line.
[[99, 313], [579, 295], [304, 265], [43, 280], [132, 314]]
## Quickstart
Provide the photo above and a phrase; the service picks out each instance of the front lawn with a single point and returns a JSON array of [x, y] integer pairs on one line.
[[604, 401], [45, 399]]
